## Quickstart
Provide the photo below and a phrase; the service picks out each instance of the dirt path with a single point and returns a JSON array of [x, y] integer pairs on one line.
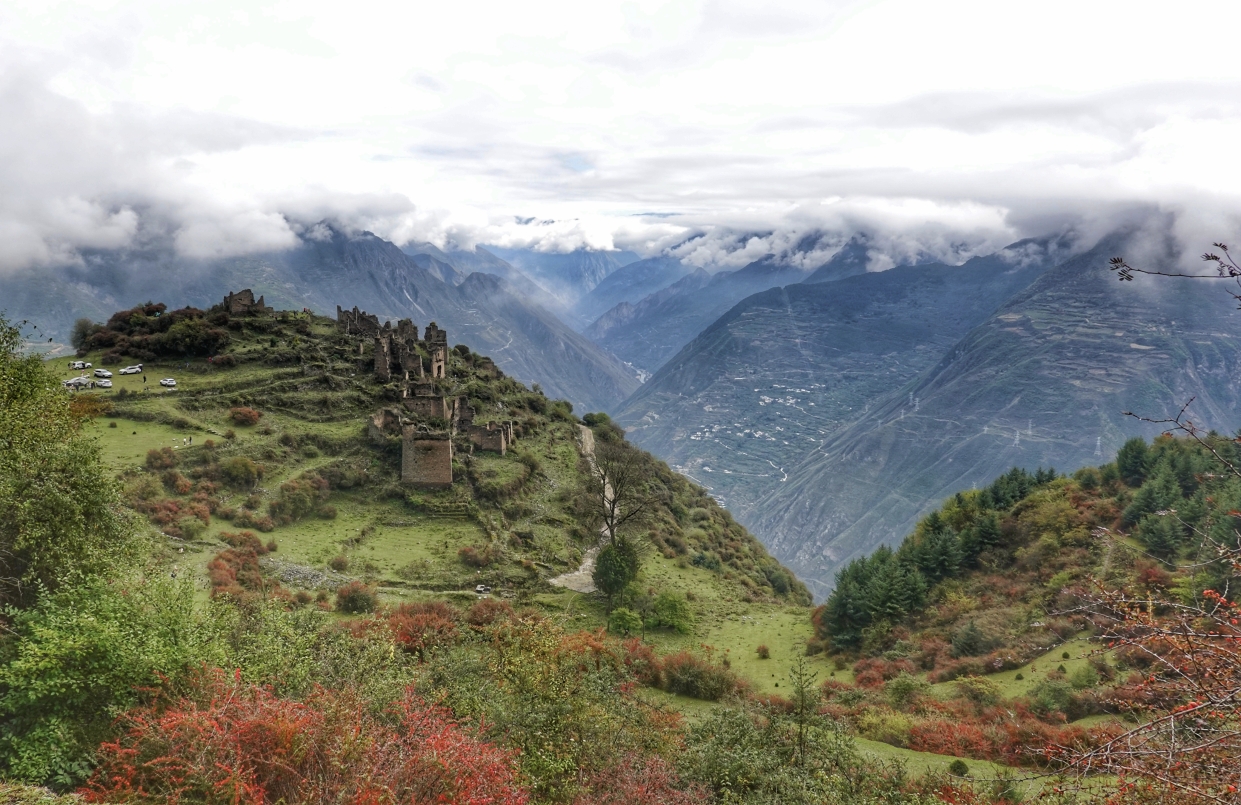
[[582, 579]]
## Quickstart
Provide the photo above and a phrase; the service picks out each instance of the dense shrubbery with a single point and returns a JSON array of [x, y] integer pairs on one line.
[[299, 498], [238, 742], [699, 677], [151, 330]]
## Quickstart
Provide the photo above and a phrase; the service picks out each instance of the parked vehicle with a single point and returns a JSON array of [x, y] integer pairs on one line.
[[482, 589], [102, 373], [131, 370], [77, 382], [169, 382], [80, 365], [103, 384]]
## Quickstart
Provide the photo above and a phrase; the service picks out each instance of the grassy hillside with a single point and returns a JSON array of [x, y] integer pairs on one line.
[[519, 512]]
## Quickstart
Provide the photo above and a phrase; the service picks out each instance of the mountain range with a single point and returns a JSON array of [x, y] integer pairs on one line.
[[828, 407], [831, 416], [480, 302], [774, 377]]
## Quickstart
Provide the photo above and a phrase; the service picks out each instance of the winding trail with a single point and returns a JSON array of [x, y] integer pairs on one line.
[[582, 580]]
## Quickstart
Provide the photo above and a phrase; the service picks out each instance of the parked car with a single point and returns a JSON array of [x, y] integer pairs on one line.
[[102, 373], [482, 589], [169, 382], [103, 384], [131, 370], [79, 365], [77, 382]]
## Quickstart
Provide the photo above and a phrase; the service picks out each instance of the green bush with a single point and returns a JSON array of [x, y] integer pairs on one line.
[[698, 677], [1084, 677], [616, 566], [905, 689], [1051, 696], [671, 611], [356, 598], [80, 656], [624, 621], [979, 690], [240, 472]]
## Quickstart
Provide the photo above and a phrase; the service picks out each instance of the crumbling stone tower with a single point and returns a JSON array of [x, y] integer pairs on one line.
[[383, 358], [426, 459], [437, 345]]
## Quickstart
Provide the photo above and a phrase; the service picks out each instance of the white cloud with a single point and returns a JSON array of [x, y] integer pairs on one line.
[[722, 130]]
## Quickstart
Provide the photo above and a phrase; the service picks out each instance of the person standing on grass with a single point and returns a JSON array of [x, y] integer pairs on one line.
[[144, 378]]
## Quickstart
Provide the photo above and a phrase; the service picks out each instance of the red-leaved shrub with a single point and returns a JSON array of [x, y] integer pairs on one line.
[[637, 779], [421, 627], [235, 742], [245, 416], [873, 671]]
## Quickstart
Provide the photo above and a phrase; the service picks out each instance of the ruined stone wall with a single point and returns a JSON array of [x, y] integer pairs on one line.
[[425, 462], [383, 423], [410, 360], [488, 437], [428, 407], [488, 367], [357, 322], [243, 302]]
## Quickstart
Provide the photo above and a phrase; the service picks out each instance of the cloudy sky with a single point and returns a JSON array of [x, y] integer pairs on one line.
[[945, 126]]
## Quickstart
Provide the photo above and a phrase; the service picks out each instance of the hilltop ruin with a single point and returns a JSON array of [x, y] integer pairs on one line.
[[243, 303], [427, 419]]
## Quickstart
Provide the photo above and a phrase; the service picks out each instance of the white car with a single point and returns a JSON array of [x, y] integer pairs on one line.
[[79, 365], [131, 370], [102, 373], [169, 382], [482, 589], [103, 384]]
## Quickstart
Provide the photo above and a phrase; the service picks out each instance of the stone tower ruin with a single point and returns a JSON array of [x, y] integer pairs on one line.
[[426, 419]]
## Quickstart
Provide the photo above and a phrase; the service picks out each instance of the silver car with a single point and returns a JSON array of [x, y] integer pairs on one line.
[[168, 382], [102, 373], [132, 370], [103, 384]]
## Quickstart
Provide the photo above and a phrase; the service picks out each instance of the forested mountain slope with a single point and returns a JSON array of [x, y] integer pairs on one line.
[[1045, 381]]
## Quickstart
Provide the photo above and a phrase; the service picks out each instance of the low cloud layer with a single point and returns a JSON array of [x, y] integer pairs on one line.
[[716, 132]]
